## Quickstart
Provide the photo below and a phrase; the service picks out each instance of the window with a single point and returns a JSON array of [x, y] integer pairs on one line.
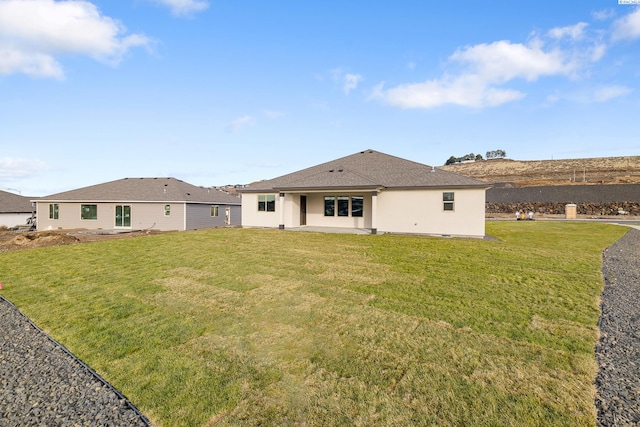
[[167, 210], [53, 211], [88, 211], [123, 216], [343, 205], [329, 206], [447, 201], [357, 205], [267, 203], [214, 210]]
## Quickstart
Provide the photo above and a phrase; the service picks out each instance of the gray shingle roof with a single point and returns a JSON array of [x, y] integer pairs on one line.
[[13, 203], [145, 190], [364, 170]]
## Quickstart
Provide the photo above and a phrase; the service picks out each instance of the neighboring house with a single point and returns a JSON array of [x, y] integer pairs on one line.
[[14, 209], [139, 204], [369, 190]]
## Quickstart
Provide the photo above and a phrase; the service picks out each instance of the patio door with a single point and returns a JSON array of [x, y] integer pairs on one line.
[[303, 210], [123, 216]]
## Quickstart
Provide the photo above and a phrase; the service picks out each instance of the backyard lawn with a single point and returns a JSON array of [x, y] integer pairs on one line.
[[231, 327]]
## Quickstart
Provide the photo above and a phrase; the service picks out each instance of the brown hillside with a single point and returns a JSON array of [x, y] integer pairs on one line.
[[602, 170]]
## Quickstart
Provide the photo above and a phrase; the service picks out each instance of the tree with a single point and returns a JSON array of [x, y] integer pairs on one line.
[[451, 160], [470, 156], [496, 154]]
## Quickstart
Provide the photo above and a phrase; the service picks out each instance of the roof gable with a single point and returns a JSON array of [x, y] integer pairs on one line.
[[145, 190], [366, 169]]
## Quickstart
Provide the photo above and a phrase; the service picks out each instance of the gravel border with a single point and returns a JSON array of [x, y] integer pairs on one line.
[[618, 349], [43, 384]]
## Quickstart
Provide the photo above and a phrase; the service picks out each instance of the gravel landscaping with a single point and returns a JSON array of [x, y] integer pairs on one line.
[[42, 384], [618, 350]]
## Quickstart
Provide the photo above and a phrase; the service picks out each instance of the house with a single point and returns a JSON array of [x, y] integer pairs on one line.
[[15, 210], [369, 190], [138, 204]]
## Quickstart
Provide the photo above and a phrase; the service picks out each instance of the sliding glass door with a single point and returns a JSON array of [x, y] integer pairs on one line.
[[123, 216]]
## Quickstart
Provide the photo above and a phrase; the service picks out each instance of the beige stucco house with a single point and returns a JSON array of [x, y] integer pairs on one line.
[[373, 191], [138, 204]]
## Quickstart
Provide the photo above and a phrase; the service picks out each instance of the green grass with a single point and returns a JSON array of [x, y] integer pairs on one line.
[[262, 327]]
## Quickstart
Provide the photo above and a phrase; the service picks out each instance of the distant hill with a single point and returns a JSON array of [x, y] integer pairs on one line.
[[524, 173]]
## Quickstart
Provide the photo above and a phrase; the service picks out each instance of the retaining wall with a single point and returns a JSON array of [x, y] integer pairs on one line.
[[614, 199]]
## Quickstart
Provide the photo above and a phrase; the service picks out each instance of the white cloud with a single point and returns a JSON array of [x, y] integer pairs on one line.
[[29, 63], [484, 68], [502, 61], [467, 91], [602, 15], [348, 81], [34, 32], [17, 168], [609, 92], [573, 32], [476, 76], [627, 27], [184, 7], [241, 122], [597, 52]]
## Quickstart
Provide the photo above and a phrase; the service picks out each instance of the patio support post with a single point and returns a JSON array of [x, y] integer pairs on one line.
[[281, 209], [374, 212]]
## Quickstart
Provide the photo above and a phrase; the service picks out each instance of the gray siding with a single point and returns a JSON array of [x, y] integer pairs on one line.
[[199, 216]]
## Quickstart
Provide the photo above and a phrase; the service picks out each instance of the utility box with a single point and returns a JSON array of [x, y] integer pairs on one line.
[[571, 211]]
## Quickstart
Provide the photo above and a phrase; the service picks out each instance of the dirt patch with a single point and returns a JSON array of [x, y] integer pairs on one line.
[[36, 240], [13, 241]]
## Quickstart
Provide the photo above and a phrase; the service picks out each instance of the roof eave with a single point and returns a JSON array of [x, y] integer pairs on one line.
[[440, 186], [313, 189], [207, 202]]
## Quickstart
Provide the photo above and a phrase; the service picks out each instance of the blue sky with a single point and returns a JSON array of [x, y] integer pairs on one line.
[[229, 92]]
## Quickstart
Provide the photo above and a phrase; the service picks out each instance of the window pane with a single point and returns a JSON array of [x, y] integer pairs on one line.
[[329, 206], [126, 216], [343, 205], [267, 203], [447, 197], [271, 203], [448, 206], [53, 211], [118, 216], [214, 210], [167, 210], [89, 212], [357, 203]]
